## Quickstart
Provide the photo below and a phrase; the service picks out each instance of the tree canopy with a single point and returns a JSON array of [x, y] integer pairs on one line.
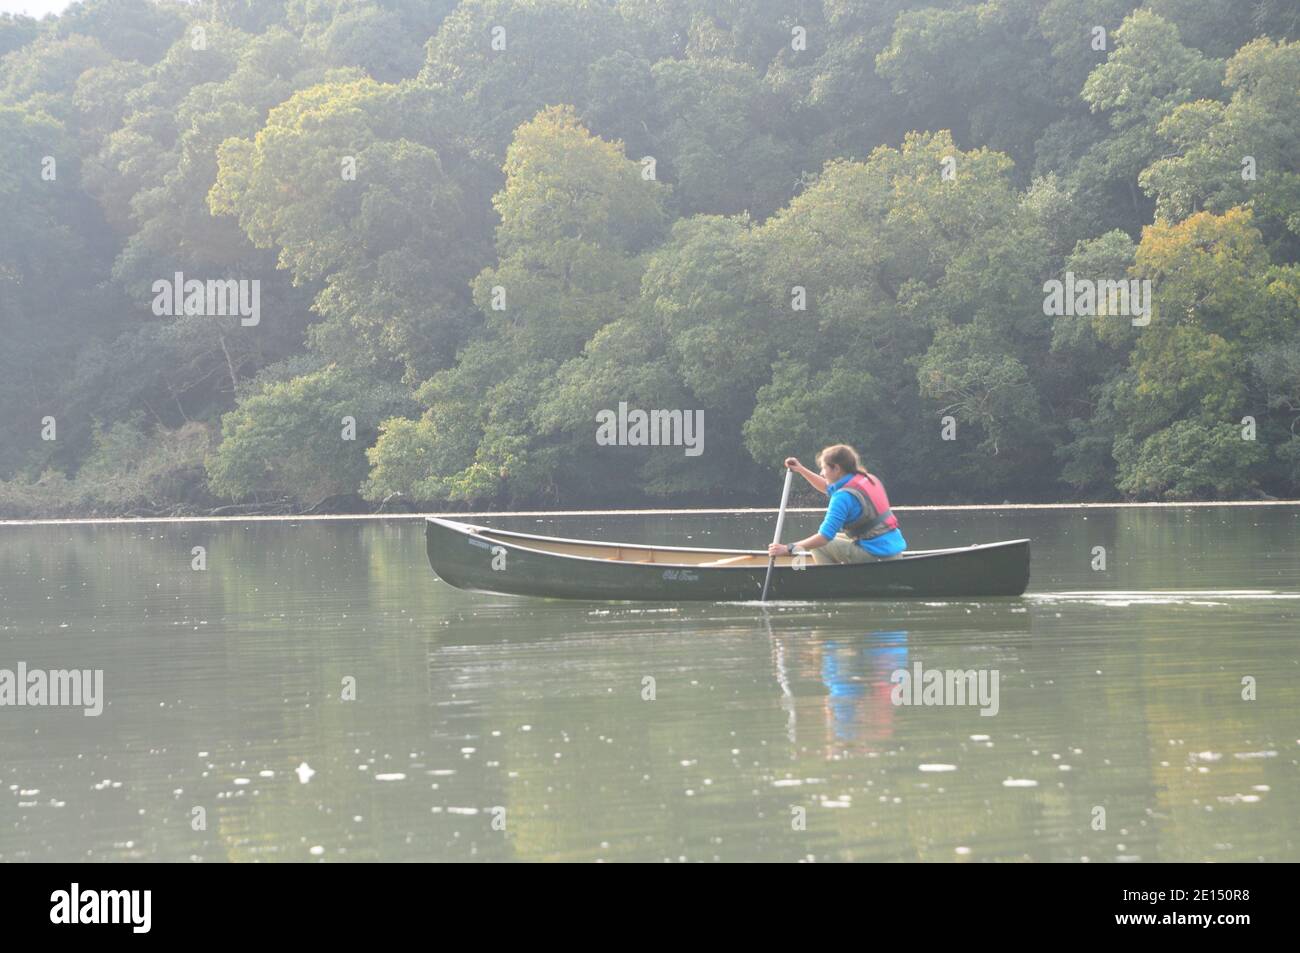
[[472, 227]]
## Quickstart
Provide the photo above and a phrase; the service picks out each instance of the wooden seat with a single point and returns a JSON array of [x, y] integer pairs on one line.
[[730, 560], [618, 555]]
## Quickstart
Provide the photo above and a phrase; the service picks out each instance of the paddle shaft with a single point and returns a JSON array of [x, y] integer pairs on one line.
[[780, 525]]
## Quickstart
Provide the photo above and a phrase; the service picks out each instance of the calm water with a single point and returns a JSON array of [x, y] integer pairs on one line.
[[1119, 690]]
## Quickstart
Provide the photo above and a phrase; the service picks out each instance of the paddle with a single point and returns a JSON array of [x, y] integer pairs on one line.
[[780, 523]]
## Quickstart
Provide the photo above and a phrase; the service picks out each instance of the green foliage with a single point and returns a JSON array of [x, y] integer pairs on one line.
[[824, 407], [16, 31], [1189, 459], [449, 205], [563, 183], [129, 469], [549, 51], [293, 438], [721, 137], [140, 30], [374, 217], [1239, 153], [1191, 378], [979, 383], [1147, 74], [574, 212], [964, 69]]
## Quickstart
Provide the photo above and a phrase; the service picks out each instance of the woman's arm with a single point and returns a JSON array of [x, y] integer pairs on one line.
[[837, 514], [815, 541], [814, 478]]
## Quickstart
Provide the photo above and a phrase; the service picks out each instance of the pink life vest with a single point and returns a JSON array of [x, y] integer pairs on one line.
[[876, 519]]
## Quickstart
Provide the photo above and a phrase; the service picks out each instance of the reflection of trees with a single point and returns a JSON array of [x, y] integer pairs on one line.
[[243, 661]]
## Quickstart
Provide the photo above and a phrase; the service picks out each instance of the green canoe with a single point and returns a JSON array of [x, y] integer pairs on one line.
[[492, 560]]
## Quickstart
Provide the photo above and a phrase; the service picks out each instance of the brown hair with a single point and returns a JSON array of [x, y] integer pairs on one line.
[[844, 457]]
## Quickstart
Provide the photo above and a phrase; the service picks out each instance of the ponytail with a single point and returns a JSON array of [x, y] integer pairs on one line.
[[844, 457]]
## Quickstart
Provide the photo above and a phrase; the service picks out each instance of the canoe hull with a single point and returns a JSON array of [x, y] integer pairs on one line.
[[465, 560]]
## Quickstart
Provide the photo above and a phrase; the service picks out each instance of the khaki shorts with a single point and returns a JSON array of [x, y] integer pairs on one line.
[[841, 549]]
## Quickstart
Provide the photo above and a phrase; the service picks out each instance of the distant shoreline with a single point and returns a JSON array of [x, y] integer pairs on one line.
[[710, 511]]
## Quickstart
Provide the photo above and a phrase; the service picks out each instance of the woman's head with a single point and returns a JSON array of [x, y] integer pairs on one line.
[[839, 459]]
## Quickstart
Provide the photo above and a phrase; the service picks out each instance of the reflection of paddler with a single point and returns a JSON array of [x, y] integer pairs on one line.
[[856, 676]]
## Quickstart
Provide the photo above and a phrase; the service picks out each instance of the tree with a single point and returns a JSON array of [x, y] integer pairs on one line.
[[575, 217], [1189, 385], [723, 136], [1239, 153], [542, 56], [1147, 75], [371, 215], [293, 438]]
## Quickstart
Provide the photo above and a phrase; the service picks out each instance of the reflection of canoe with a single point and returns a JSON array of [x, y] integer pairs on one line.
[[475, 557]]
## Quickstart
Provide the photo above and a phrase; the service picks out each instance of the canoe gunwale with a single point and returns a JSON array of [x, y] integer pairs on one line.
[[487, 533]]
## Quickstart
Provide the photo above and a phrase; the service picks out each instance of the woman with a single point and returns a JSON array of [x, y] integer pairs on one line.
[[858, 524]]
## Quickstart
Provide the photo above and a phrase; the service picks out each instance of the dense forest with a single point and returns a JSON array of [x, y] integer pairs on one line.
[[454, 234]]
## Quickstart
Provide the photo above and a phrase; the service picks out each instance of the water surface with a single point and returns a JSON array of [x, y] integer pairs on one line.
[[499, 728]]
